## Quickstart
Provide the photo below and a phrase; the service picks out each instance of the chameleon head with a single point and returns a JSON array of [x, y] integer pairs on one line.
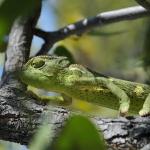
[[42, 71]]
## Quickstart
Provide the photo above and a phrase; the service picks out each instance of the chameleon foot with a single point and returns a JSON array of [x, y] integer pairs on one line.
[[124, 99], [124, 107], [144, 112]]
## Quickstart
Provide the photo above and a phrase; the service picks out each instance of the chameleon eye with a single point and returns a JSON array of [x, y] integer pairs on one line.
[[38, 63]]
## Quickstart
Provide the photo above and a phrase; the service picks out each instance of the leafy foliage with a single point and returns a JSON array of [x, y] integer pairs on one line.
[[79, 134], [11, 9], [42, 137], [61, 50]]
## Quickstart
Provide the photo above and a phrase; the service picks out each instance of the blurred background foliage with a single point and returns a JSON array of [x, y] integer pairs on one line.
[[74, 136], [119, 55], [79, 134], [9, 10]]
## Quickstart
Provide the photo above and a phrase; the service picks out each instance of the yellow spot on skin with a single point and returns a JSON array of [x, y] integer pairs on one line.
[[111, 79], [92, 89], [138, 90]]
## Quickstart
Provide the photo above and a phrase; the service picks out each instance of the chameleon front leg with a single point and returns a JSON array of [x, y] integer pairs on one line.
[[124, 98], [89, 82], [61, 100], [146, 107]]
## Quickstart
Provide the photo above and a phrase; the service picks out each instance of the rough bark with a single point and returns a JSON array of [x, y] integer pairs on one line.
[[20, 115]]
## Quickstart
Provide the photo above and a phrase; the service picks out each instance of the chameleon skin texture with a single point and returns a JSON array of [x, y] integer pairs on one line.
[[56, 74]]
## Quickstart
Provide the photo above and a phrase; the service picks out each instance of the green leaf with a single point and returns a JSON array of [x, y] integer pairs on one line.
[[10, 10], [79, 134], [63, 51], [42, 138]]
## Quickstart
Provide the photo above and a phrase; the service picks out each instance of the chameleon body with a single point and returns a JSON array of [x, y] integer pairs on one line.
[[75, 81]]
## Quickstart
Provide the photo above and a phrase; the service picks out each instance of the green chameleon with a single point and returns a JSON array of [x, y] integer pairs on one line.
[[75, 81]]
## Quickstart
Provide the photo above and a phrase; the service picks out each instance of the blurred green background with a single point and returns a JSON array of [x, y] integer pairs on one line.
[[119, 55]]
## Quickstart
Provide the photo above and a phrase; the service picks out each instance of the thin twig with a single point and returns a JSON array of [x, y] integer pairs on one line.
[[83, 25]]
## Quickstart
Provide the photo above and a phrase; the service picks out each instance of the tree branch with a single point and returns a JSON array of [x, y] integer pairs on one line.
[[83, 25], [17, 53], [19, 43], [144, 3], [18, 124]]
